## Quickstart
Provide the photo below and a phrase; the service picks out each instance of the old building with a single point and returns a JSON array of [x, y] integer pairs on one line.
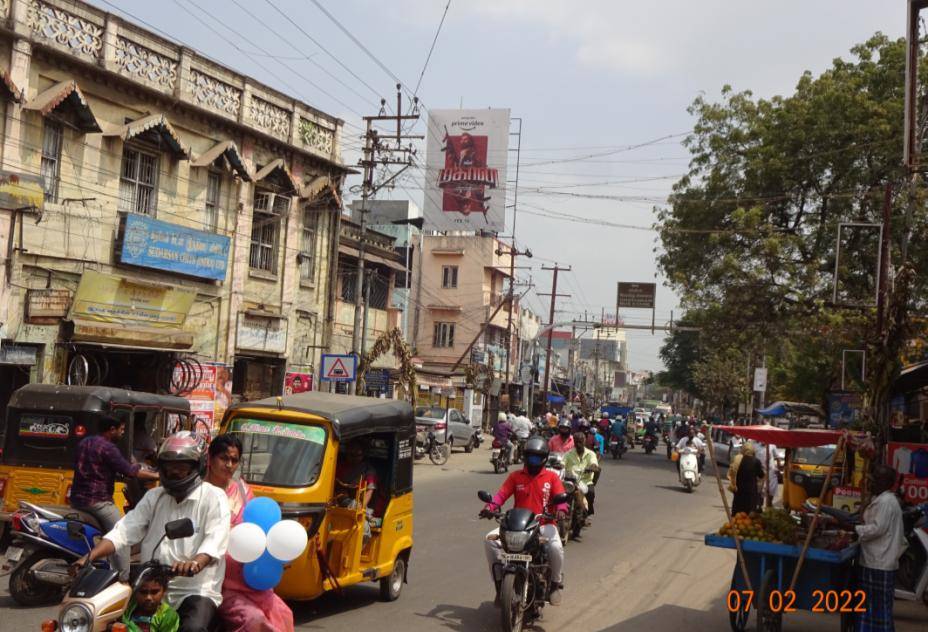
[[186, 231]]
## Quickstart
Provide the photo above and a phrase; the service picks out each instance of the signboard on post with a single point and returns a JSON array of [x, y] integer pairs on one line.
[[760, 380], [467, 152], [338, 368], [636, 295]]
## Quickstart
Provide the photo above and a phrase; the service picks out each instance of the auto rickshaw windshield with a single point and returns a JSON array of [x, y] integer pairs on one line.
[[819, 455], [278, 453]]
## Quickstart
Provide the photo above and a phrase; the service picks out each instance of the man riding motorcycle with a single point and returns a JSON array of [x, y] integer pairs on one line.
[[583, 465], [198, 561], [561, 442], [532, 487]]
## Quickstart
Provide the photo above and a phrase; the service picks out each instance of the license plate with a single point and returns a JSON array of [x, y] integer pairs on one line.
[[516, 557], [13, 553]]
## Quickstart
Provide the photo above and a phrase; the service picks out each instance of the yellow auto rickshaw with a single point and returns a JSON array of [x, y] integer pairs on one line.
[[805, 472], [45, 422], [294, 450]]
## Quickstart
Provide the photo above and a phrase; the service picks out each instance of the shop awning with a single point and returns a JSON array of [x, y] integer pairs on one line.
[[66, 96], [911, 378], [371, 257], [225, 155], [153, 127], [432, 380], [779, 409], [276, 172], [130, 336], [781, 438], [9, 89]]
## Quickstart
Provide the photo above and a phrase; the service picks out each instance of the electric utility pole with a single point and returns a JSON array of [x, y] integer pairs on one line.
[[553, 296], [513, 253], [381, 149]]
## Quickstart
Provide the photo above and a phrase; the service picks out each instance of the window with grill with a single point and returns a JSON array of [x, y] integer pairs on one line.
[[449, 277], [443, 335], [52, 138], [213, 189], [265, 229], [138, 182], [308, 246]]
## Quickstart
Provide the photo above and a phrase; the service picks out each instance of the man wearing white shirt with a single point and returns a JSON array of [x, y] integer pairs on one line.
[[882, 541], [521, 426], [197, 561]]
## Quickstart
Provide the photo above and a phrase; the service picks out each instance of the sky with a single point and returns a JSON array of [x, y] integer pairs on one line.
[[602, 88]]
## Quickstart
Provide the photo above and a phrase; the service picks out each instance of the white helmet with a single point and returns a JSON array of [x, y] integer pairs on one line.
[[501, 417], [605, 415]]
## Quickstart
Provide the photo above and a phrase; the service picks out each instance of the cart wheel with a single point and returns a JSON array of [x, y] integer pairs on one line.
[[739, 620], [767, 620]]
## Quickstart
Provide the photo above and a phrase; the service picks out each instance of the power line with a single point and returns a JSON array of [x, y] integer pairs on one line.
[[431, 48]]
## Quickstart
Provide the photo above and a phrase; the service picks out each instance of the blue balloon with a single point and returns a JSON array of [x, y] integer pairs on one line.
[[262, 511], [264, 573]]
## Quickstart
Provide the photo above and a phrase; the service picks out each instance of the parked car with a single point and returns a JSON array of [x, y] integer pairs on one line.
[[450, 424], [726, 446]]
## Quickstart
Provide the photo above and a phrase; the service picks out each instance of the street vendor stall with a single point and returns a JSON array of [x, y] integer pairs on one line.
[[784, 562]]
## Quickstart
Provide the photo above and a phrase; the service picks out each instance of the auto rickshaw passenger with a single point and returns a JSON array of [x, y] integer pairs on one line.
[[351, 471], [96, 463]]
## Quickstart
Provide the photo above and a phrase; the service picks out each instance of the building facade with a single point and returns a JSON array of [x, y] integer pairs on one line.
[[186, 229]]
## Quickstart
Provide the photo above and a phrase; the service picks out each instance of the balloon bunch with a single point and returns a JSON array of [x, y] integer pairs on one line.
[[263, 543]]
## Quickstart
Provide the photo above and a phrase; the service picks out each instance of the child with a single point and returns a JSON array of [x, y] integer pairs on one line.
[[147, 612]]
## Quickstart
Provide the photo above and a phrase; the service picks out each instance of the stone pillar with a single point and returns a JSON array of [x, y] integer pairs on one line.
[[110, 36]]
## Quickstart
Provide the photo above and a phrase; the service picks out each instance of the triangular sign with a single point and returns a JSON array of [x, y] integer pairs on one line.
[[337, 369]]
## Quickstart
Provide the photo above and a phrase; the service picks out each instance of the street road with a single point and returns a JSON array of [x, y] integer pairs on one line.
[[642, 566]]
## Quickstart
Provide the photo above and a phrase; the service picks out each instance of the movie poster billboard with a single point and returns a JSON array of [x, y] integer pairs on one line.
[[297, 382], [466, 158]]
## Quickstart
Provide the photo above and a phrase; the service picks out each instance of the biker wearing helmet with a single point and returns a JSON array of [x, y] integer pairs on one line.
[[563, 441], [198, 561], [532, 486]]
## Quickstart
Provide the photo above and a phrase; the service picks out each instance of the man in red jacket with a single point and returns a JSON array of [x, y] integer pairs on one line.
[[533, 487]]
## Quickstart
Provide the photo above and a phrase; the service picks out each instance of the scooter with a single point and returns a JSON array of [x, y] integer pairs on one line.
[[689, 468], [98, 599], [44, 545], [501, 456], [617, 446], [912, 576]]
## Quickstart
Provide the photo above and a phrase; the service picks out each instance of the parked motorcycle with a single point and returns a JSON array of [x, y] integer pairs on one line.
[[617, 447], [427, 444], [649, 443], [501, 456], [689, 468], [44, 544], [523, 569], [912, 576], [98, 599]]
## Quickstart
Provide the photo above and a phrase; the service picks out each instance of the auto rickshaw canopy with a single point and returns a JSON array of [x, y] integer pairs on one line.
[[58, 397], [351, 416], [781, 438]]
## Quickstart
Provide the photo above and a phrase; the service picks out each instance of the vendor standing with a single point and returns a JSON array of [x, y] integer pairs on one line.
[[882, 541]]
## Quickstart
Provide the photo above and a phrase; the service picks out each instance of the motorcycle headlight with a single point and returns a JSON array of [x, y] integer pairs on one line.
[[75, 618], [515, 541]]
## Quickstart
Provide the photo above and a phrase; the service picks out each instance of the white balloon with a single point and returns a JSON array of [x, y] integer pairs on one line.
[[287, 540], [246, 542]]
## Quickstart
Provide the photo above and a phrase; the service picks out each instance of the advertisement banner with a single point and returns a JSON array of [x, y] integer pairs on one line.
[[151, 243], [843, 409], [261, 333], [910, 460], [106, 298], [297, 382], [212, 394], [465, 183]]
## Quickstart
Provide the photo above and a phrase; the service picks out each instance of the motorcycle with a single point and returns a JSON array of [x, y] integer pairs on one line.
[[427, 444], [518, 447], [501, 456], [650, 443], [689, 468], [617, 447], [668, 443], [44, 544], [523, 571], [912, 576], [98, 599], [556, 464]]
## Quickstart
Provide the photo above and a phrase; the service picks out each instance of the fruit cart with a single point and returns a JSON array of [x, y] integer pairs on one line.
[[778, 577]]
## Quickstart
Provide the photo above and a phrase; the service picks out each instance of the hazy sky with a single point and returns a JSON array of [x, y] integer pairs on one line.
[[590, 79]]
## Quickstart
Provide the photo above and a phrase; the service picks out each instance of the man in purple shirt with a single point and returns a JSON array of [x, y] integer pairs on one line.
[[96, 465]]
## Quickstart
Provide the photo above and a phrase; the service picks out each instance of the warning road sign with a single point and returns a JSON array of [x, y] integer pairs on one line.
[[338, 368]]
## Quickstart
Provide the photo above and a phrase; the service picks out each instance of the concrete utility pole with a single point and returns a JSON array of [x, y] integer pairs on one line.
[[513, 253], [379, 150], [553, 296]]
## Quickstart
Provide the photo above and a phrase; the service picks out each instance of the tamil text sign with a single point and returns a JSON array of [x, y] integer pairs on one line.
[[465, 177], [107, 298], [636, 295], [20, 191], [151, 243], [261, 333]]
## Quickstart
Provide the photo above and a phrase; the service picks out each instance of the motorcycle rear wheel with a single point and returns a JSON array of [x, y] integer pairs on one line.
[[439, 454], [512, 610], [27, 591]]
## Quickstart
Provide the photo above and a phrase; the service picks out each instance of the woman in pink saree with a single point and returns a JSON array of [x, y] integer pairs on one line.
[[243, 609]]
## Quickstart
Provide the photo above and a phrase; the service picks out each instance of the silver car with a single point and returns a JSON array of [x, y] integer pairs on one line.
[[726, 446], [448, 424]]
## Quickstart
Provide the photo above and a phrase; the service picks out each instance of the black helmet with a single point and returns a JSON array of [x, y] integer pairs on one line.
[[535, 454], [182, 446]]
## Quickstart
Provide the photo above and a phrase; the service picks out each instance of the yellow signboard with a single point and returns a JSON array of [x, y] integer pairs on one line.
[[20, 191], [106, 298]]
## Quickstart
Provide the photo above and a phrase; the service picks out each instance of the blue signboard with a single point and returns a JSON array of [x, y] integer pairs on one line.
[[151, 243]]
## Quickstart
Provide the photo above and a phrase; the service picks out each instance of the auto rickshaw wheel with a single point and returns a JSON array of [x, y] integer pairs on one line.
[[392, 584]]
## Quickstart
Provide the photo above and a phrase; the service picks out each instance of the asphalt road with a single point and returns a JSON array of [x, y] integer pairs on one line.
[[641, 566]]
